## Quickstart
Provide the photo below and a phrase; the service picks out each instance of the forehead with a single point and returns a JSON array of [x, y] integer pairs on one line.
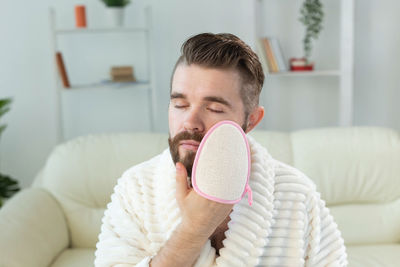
[[198, 81]]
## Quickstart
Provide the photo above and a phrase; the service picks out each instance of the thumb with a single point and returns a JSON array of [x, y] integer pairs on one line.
[[181, 181]]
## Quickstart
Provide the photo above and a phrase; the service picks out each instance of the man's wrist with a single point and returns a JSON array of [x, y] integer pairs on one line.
[[194, 235], [182, 249]]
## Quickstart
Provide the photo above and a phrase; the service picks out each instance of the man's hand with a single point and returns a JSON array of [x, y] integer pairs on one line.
[[200, 216]]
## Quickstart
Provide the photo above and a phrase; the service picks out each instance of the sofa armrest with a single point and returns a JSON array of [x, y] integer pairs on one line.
[[33, 230]]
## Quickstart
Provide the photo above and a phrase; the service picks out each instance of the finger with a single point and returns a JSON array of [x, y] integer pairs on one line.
[[181, 181]]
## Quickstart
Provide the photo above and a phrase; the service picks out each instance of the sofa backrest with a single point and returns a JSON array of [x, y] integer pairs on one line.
[[82, 173], [357, 171]]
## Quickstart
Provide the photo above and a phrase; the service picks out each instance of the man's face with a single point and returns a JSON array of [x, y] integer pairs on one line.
[[200, 97]]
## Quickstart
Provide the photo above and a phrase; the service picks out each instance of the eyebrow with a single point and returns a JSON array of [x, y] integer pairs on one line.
[[207, 98]]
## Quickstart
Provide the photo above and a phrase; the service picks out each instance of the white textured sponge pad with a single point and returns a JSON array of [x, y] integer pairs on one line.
[[222, 166]]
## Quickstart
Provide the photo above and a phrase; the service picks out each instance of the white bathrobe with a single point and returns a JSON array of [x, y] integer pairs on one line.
[[287, 225]]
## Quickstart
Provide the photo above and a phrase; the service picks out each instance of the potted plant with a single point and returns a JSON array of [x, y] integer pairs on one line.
[[312, 16], [8, 186], [115, 11]]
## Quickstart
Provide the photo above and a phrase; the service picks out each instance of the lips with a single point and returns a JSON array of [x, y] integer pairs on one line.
[[189, 144]]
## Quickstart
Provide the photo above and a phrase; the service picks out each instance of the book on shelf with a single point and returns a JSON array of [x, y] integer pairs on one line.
[[276, 48], [262, 55], [271, 54], [62, 70]]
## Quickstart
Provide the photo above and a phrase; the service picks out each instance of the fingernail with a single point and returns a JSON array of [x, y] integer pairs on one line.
[[178, 167]]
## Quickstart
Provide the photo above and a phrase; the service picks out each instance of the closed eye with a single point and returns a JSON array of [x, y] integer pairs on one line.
[[216, 111], [178, 106]]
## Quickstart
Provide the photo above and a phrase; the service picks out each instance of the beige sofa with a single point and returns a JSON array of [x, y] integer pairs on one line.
[[56, 222]]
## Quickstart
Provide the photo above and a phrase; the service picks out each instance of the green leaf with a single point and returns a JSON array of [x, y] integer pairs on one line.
[[8, 186], [4, 106], [116, 3], [311, 17], [2, 128]]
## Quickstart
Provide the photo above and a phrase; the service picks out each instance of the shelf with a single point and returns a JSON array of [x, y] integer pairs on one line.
[[305, 73], [100, 30], [108, 85], [268, 18], [102, 105]]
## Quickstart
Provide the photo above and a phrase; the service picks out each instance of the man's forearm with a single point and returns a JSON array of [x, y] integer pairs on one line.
[[182, 249]]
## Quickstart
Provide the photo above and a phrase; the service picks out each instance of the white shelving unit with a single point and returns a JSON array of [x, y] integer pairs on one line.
[[345, 73], [101, 92]]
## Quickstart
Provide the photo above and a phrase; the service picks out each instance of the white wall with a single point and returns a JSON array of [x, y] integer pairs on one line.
[[377, 63], [27, 73]]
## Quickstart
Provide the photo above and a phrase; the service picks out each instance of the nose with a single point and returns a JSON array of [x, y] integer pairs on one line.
[[193, 122]]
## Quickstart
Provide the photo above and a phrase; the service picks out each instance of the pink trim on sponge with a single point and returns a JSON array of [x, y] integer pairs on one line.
[[247, 186]]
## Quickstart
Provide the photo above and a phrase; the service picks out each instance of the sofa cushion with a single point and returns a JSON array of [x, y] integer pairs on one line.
[[77, 257], [387, 255], [278, 144], [368, 223], [31, 224], [357, 171], [357, 164], [82, 173]]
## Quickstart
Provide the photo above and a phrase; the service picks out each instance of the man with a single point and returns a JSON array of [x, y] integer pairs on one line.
[[156, 219]]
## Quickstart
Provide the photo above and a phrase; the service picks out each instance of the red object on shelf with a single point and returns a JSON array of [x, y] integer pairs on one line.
[[80, 16], [300, 64], [302, 68]]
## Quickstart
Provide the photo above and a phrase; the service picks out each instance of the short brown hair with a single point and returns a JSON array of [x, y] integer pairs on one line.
[[225, 50]]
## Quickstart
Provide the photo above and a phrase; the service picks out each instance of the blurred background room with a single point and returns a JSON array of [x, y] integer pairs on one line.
[[77, 68]]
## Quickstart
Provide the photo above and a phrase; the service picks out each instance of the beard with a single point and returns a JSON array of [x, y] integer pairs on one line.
[[188, 159]]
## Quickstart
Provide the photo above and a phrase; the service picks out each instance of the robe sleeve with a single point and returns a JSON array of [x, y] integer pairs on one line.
[[325, 243], [122, 240]]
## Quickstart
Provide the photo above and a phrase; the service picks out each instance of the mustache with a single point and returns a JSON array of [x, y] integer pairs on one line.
[[187, 136], [187, 161]]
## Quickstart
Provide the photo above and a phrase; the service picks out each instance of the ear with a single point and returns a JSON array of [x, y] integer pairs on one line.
[[254, 118]]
